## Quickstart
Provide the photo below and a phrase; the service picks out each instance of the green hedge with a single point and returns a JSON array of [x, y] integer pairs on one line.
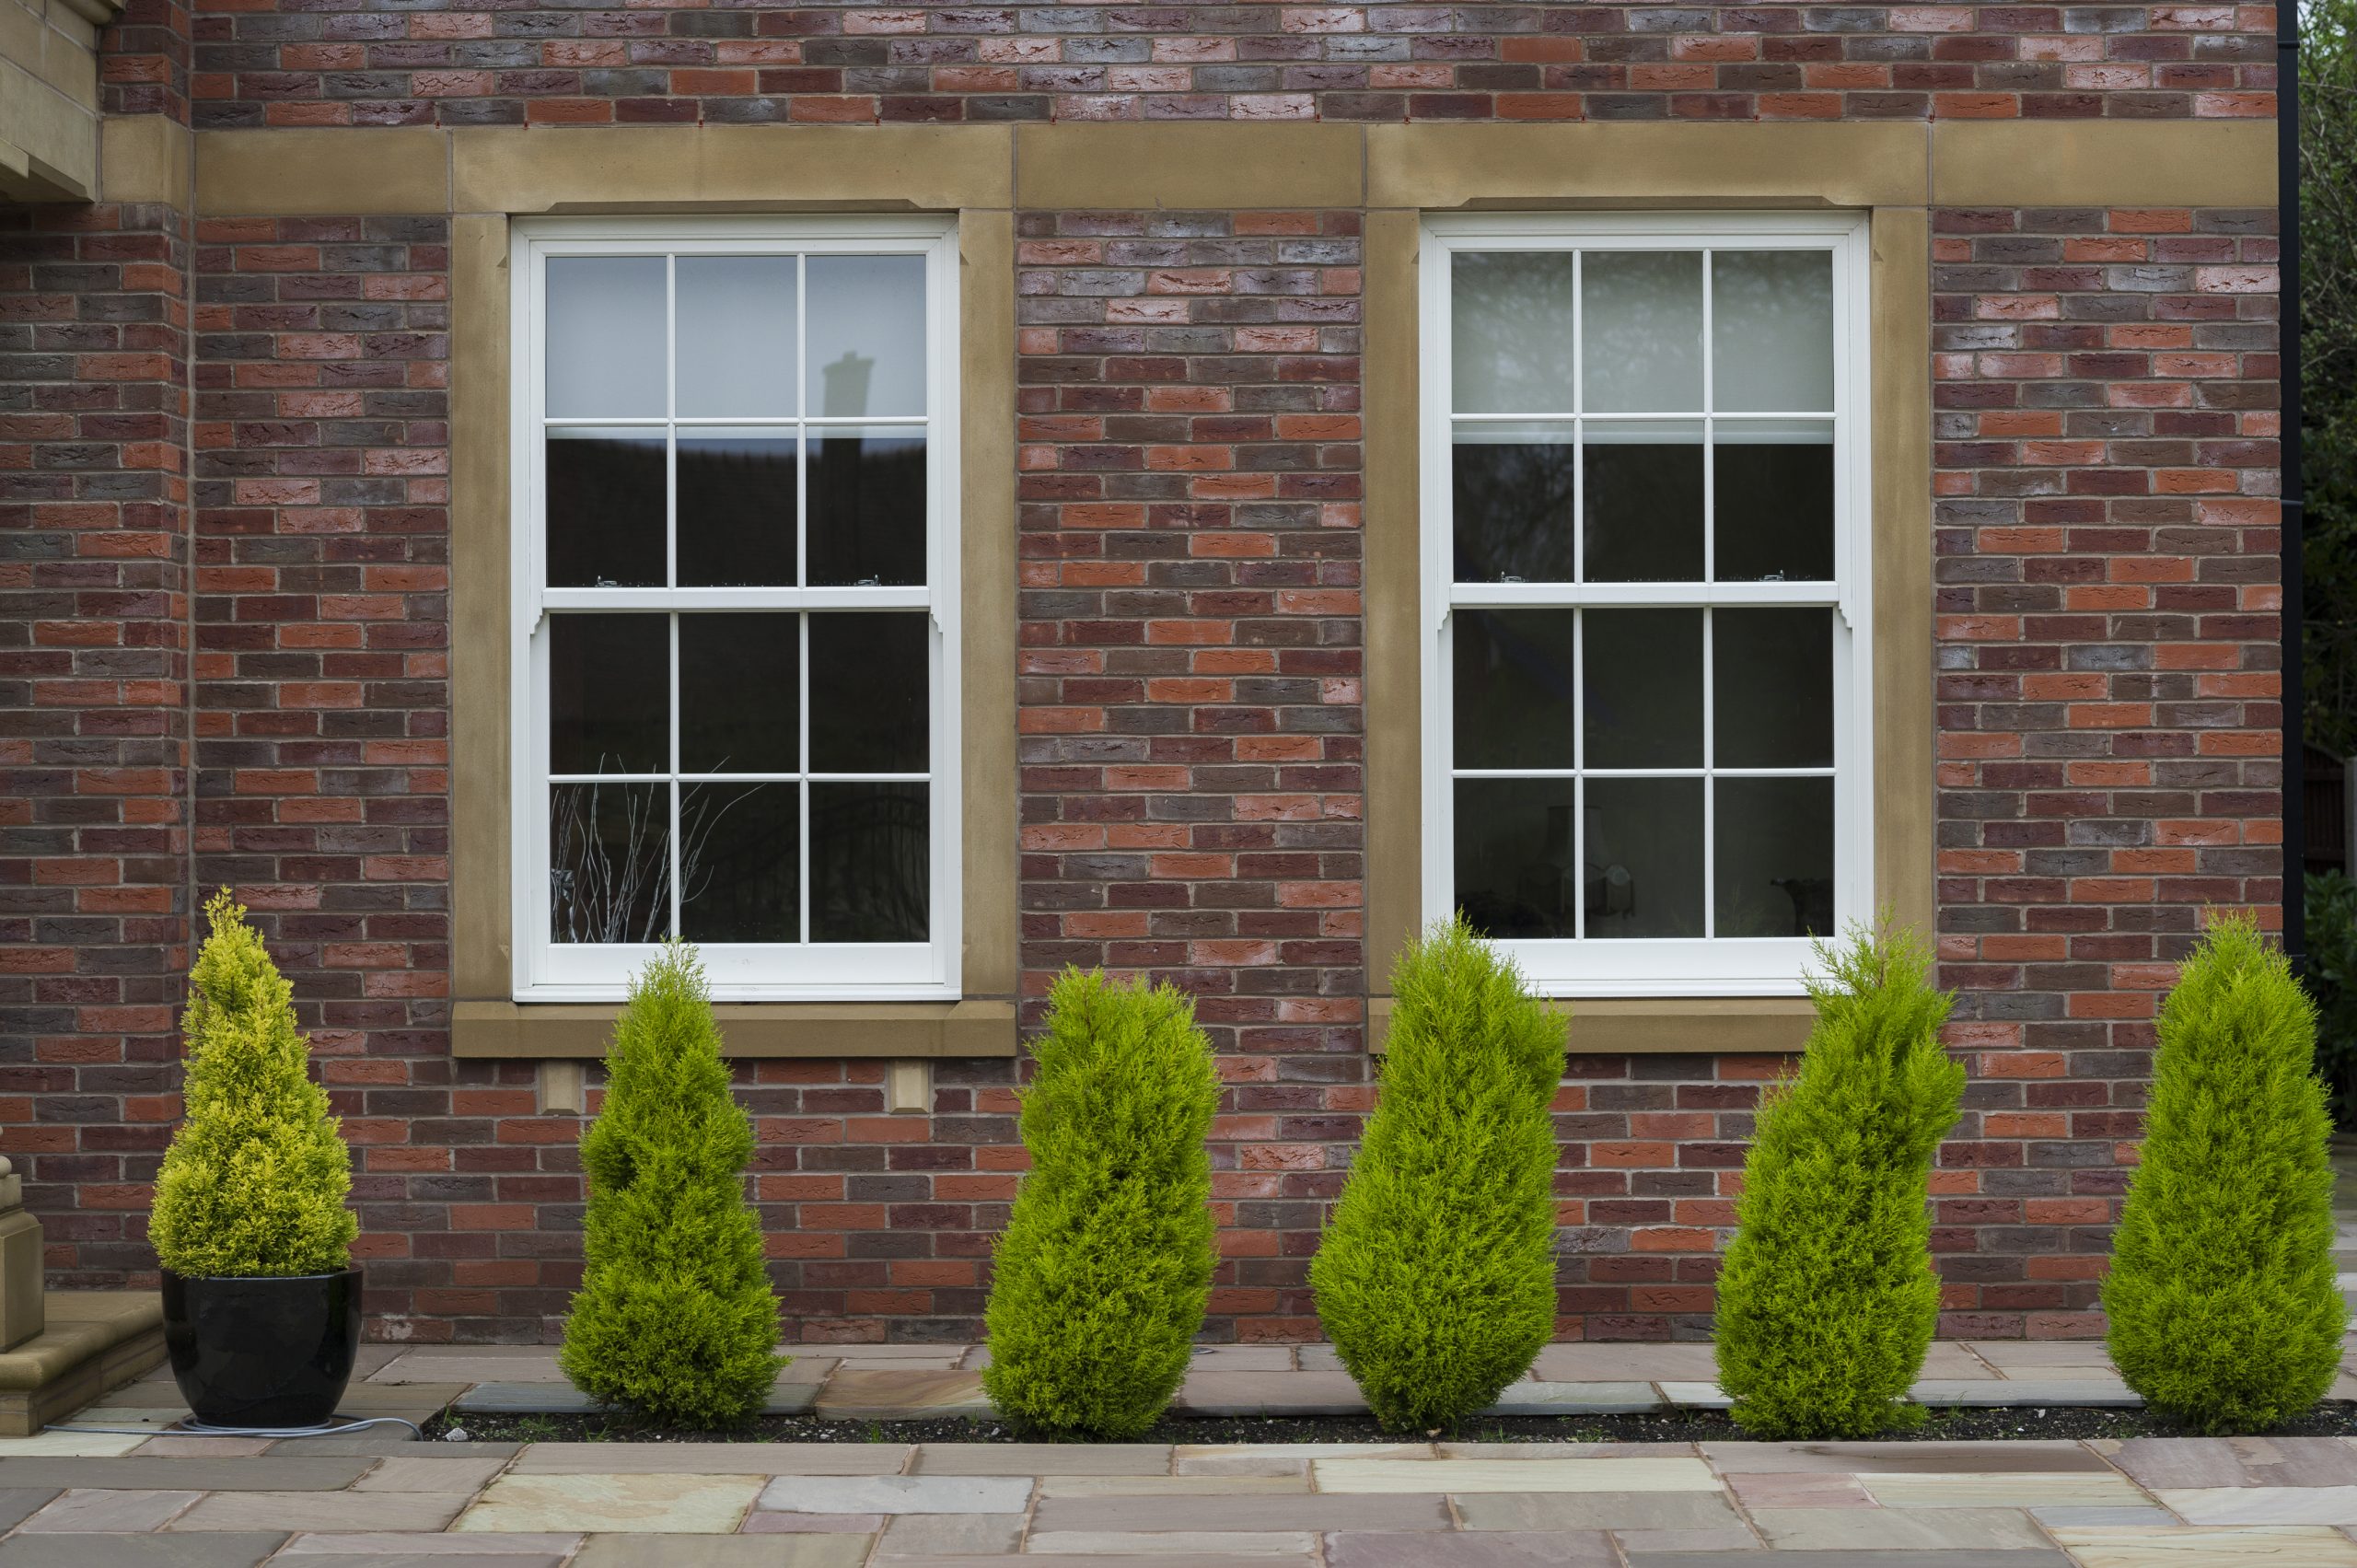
[[1106, 1264], [1827, 1301], [675, 1318], [2225, 1310], [1436, 1281]]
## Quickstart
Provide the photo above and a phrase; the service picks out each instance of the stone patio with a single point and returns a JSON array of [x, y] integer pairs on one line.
[[91, 1502]]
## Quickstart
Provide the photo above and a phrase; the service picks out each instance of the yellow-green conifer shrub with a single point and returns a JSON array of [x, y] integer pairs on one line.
[[675, 1318], [2224, 1312], [1827, 1301], [1106, 1264], [255, 1180], [1437, 1280]]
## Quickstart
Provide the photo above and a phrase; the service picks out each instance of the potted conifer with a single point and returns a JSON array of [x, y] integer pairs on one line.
[[261, 1303]]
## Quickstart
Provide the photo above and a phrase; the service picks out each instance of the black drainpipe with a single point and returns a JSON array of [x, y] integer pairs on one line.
[[2287, 196]]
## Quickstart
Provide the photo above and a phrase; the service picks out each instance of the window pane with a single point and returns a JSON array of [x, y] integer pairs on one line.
[[1512, 505], [609, 870], [1775, 857], [1645, 502], [867, 330], [1772, 698], [610, 694], [605, 337], [1774, 491], [736, 509], [1510, 331], [1643, 674], [1511, 671], [1516, 874], [736, 336], [740, 697], [1641, 319], [606, 491], [869, 703], [866, 507], [741, 856], [1645, 857], [871, 863], [1771, 331]]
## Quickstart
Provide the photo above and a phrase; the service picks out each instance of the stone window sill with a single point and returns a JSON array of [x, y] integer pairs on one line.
[[580, 1031], [1709, 1025]]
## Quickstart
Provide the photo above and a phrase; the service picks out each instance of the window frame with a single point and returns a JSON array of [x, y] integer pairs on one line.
[[543, 971], [1664, 966]]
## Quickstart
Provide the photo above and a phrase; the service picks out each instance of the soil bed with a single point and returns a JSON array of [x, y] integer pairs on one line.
[[2336, 1418]]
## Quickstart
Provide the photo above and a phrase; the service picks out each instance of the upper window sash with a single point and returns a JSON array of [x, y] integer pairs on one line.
[[806, 968], [1621, 965]]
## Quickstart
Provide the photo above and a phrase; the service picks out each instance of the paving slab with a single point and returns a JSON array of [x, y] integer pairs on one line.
[[136, 1472], [1498, 1549], [2082, 1489], [1965, 1559], [1463, 1476], [54, 1444], [422, 1473], [2241, 1505], [1186, 1454], [506, 1364], [1530, 1513], [2019, 1393], [2265, 1546], [1608, 1363], [1126, 1546], [1250, 1514], [87, 1512], [137, 1550], [1894, 1529], [724, 1552], [1894, 1458], [1260, 1393], [1695, 1396], [169, 1448], [324, 1511], [711, 1458], [2037, 1353], [950, 1535], [2147, 1514], [1296, 1482], [377, 1543], [1734, 1539], [383, 1443], [883, 1353], [899, 1494], [1099, 1559], [2238, 1461], [759, 1522], [1798, 1489], [855, 1393], [21, 1502], [684, 1504], [1041, 1459], [1528, 1397], [411, 1557], [1245, 1358]]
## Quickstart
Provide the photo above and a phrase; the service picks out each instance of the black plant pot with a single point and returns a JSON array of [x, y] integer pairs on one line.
[[262, 1351]]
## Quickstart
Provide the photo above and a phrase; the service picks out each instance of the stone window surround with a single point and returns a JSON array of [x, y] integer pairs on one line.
[[1897, 172]]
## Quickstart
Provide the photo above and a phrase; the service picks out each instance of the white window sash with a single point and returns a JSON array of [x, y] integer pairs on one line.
[[545, 970], [1667, 967]]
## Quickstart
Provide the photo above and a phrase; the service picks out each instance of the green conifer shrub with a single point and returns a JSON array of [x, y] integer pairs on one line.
[[1827, 1301], [1437, 1280], [1106, 1264], [255, 1180], [2225, 1311], [675, 1318]]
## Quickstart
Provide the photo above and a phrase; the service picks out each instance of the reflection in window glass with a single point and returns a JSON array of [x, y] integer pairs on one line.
[[1642, 323], [868, 696], [1514, 500], [741, 862], [866, 507], [1775, 504], [1511, 333], [1775, 857], [866, 320], [1511, 678], [1641, 674], [1517, 871], [1643, 502], [736, 343], [609, 694], [870, 860], [1771, 331], [736, 509], [740, 694], [609, 862], [605, 491], [606, 337]]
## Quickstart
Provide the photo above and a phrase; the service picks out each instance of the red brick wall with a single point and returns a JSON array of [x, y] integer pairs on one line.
[[1192, 714], [94, 557], [2109, 674], [289, 65]]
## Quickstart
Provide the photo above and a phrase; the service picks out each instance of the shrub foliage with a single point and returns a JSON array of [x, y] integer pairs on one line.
[[1106, 1263], [1827, 1301], [1436, 1281], [675, 1316], [256, 1176], [2224, 1312]]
